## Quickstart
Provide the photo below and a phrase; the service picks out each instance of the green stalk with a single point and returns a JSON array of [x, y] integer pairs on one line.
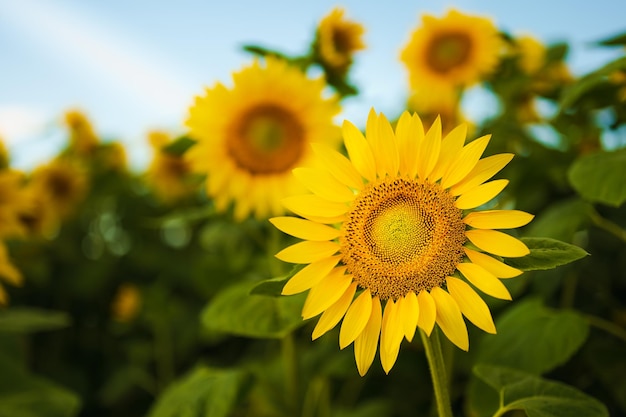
[[290, 361], [432, 346]]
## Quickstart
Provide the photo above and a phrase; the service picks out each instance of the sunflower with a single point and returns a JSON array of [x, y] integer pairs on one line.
[[83, 140], [168, 174], [12, 201], [337, 40], [8, 273], [62, 184], [452, 52], [251, 136], [409, 245]]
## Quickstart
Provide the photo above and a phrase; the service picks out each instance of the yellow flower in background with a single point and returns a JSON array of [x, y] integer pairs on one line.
[[83, 140], [252, 135], [337, 40], [62, 183], [531, 54], [8, 273], [444, 105], [12, 201], [167, 174], [37, 216], [454, 51], [410, 246], [4, 156], [127, 303]]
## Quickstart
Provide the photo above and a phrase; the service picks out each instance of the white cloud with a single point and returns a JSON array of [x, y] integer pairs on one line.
[[20, 123]]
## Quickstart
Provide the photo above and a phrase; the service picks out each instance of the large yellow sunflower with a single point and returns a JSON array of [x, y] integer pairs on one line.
[[337, 40], [392, 238], [251, 136], [451, 52]]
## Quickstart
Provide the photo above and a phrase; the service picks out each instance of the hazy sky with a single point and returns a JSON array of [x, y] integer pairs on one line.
[[136, 65]]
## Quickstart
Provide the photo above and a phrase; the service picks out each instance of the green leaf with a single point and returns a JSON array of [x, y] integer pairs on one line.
[[533, 337], [29, 320], [590, 81], [236, 311], [561, 220], [536, 396], [179, 146], [263, 51], [599, 177], [274, 287], [25, 395], [546, 253], [203, 392], [614, 40]]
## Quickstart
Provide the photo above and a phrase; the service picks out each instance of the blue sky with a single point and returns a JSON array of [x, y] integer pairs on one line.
[[136, 65]]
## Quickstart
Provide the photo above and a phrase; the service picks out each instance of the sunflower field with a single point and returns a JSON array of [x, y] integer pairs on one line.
[[276, 260]]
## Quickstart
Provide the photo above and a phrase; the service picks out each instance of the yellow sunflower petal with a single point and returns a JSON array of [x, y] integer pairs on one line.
[[497, 243], [387, 148], [449, 318], [366, 343], [409, 313], [315, 206], [498, 219], [326, 292], [339, 166], [499, 269], [355, 319], [310, 275], [450, 146], [484, 169], [409, 132], [480, 195], [484, 280], [323, 184], [359, 151], [428, 151], [334, 313], [305, 229], [388, 358], [307, 252], [463, 163], [472, 306], [392, 330], [428, 312]]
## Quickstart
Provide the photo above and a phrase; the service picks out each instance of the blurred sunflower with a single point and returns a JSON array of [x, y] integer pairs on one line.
[[451, 52], [405, 202], [62, 183], [83, 140], [12, 202], [337, 40], [167, 174], [8, 273], [126, 303], [250, 137], [37, 217]]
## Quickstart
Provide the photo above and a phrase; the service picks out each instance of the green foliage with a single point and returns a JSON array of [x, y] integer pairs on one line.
[[599, 177], [203, 392], [546, 253], [29, 320], [538, 397], [25, 395], [236, 311]]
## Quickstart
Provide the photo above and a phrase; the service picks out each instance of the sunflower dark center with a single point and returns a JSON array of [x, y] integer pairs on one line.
[[402, 235], [448, 51], [267, 139]]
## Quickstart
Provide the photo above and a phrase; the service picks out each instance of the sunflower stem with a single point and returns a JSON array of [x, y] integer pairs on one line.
[[434, 355], [288, 348]]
